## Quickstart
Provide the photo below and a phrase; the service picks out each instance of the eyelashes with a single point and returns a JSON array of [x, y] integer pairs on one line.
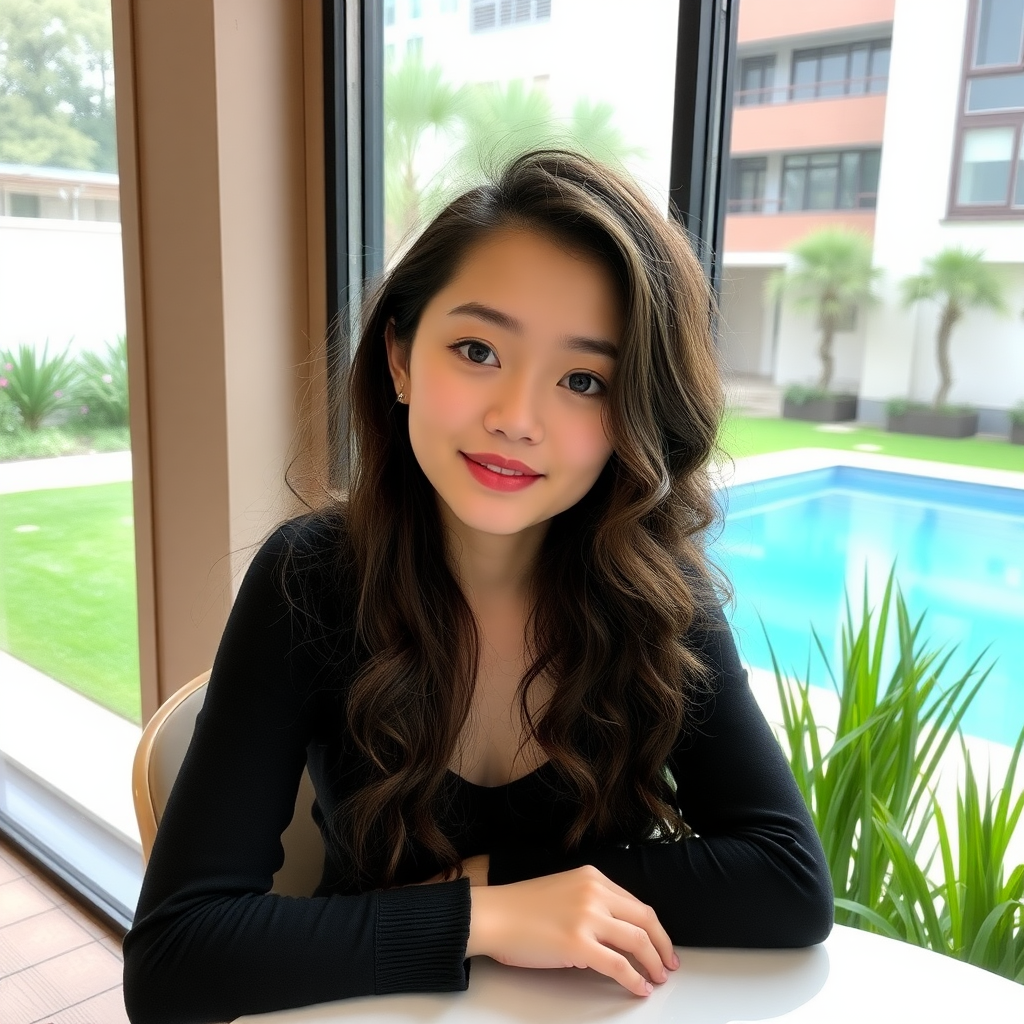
[[579, 382]]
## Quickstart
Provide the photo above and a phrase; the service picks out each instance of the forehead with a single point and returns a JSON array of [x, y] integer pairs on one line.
[[537, 280]]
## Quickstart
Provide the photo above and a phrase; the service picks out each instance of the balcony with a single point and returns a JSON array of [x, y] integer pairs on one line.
[[762, 20], [765, 231], [835, 122]]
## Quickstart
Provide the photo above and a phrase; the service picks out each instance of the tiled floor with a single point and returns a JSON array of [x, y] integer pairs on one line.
[[57, 964]]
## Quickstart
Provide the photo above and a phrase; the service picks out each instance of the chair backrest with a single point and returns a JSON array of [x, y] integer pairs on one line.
[[157, 761]]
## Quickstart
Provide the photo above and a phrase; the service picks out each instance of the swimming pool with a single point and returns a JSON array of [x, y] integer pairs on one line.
[[791, 545]]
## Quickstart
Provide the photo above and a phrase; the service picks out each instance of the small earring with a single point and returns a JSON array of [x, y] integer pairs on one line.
[[401, 397]]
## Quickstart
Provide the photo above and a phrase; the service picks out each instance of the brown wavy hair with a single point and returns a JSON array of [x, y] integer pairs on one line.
[[613, 585]]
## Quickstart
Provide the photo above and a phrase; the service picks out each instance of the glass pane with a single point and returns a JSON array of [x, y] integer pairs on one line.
[[849, 181], [996, 92], [879, 69], [985, 168], [858, 70], [821, 193], [1000, 27], [870, 164], [69, 662], [805, 75], [793, 183], [832, 76], [1018, 191], [505, 76]]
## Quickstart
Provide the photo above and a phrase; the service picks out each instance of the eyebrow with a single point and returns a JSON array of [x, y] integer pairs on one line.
[[576, 343]]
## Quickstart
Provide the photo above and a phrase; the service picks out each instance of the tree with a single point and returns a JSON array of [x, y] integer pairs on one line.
[[56, 84], [832, 272], [417, 103], [960, 279]]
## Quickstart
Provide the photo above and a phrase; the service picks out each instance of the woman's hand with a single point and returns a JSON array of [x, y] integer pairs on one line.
[[576, 918]]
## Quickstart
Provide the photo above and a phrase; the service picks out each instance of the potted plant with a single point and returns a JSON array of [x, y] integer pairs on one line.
[[1017, 424], [831, 273], [959, 279]]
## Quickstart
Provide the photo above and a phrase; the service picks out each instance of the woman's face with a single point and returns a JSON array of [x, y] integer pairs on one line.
[[508, 370]]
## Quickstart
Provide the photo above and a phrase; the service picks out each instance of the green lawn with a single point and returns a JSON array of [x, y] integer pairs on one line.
[[743, 435], [67, 589]]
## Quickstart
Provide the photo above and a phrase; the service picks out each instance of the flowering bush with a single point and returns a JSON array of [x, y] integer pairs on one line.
[[103, 394]]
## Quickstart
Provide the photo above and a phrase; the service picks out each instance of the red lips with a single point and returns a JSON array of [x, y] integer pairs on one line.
[[490, 459]]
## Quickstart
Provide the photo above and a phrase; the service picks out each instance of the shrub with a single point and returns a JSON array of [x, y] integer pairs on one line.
[[38, 384], [1017, 414], [104, 384], [801, 394]]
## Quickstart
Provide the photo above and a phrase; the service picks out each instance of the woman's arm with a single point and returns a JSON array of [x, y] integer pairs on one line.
[[755, 873], [209, 942]]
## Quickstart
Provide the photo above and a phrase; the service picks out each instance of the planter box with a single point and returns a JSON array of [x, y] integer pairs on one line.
[[934, 424], [1017, 433], [834, 409]]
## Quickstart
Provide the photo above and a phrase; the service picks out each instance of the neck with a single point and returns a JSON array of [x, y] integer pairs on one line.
[[492, 567]]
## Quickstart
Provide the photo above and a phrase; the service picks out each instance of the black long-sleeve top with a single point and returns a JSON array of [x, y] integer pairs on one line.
[[210, 942]]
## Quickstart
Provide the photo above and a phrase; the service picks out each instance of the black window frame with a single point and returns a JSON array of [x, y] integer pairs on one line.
[[354, 153]]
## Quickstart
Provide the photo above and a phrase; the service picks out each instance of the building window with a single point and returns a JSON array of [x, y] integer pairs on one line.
[[830, 181], [746, 184], [988, 178], [414, 48], [850, 70], [389, 12], [21, 204], [491, 14], [1000, 32], [415, 8], [449, 6], [757, 75]]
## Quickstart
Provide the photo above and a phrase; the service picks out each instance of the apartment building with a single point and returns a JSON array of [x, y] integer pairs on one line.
[[901, 119]]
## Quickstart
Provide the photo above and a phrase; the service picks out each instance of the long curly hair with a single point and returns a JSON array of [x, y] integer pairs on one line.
[[614, 583]]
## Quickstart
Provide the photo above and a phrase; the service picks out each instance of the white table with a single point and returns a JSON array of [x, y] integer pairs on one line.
[[854, 976]]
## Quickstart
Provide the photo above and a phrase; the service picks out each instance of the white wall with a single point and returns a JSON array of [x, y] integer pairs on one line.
[[745, 340], [797, 361], [60, 279]]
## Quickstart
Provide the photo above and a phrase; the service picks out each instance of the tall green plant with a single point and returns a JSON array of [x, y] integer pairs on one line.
[[831, 272], [871, 794], [37, 383], [104, 383], [959, 279]]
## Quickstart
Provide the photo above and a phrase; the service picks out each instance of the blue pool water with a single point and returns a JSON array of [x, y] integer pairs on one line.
[[792, 544]]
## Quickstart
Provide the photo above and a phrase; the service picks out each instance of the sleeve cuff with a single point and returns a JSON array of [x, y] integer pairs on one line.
[[422, 933]]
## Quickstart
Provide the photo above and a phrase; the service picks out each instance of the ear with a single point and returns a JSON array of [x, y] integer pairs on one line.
[[398, 358]]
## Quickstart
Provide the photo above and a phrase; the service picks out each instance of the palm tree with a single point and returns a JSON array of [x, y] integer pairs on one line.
[[592, 132], [417, 101], [960, 279], [832, 272]]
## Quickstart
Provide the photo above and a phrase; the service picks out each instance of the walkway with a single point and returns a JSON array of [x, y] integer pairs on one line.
[[65, 471]]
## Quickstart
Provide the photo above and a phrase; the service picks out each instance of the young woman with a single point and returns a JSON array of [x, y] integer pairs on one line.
[[500, 656]]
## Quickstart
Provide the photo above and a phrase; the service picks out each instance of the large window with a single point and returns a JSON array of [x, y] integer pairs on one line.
[[830, 181], [989, 179], [850, 70]]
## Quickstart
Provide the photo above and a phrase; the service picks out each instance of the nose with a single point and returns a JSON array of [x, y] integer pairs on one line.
[[515, 410]]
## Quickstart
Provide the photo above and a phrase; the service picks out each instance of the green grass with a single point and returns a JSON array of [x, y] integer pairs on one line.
[[67, 590], [744, 435]]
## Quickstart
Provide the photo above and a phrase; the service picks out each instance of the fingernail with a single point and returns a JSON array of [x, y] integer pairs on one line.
[[649, 987], [675, 961]]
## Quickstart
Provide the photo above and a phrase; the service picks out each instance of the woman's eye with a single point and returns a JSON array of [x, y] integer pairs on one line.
[[477, 352], [584, 384]]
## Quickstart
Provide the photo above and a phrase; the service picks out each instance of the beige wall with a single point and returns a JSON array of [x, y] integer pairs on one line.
[[776, 19], [220, 145]]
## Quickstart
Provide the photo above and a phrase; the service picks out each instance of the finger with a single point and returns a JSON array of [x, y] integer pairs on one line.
[[629, 908], [631, 938], [615, 966]]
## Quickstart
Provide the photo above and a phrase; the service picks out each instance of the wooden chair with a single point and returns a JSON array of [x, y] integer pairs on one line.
[[157, 761]]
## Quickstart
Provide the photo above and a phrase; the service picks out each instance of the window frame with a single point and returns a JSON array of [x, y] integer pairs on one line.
[[839, 154], [847, 49], [966, 122]]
